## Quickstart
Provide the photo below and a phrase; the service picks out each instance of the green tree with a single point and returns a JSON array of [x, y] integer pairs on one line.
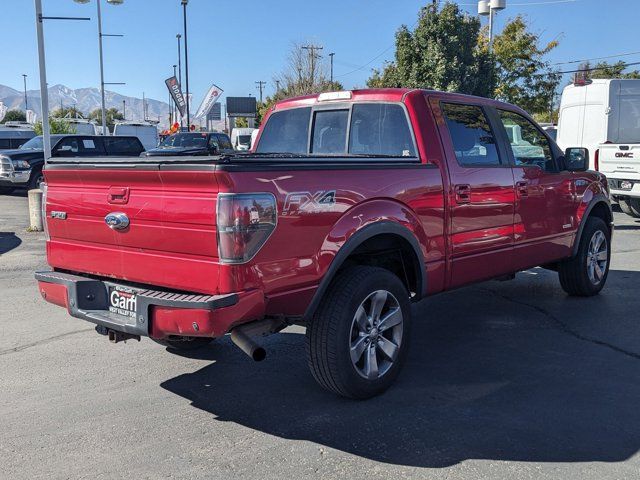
[[612, 70], [524, 77], [56, 125], [443, 52], [14, 116], [112, 115], [66, 112]]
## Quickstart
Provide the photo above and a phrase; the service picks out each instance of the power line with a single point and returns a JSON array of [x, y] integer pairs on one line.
[[597, 58], [597, 68]]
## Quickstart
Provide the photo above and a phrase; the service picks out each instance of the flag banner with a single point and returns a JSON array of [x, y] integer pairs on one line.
[[209, 99], [176, 94]]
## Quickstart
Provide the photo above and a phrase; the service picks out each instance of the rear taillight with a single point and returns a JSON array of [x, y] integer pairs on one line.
[[244, 223], [596, 160], [43, 187]]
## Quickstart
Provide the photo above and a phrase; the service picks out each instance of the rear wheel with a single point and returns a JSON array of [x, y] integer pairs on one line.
[[630, 206], [184, 343], [586, 273], [358, 338]]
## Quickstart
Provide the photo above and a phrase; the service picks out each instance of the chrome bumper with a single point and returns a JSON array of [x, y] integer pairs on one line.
[[21, 176]]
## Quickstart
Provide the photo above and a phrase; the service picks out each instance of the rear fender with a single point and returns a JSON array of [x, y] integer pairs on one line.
[[359, 224]]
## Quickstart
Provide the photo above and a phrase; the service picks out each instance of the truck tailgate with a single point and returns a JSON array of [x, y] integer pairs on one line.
[[171, 237], [621, 160]]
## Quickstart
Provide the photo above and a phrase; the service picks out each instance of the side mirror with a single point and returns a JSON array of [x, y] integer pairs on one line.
[[576, 159]]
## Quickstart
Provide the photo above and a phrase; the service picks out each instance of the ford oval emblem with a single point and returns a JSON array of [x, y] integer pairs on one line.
[[117, 220]]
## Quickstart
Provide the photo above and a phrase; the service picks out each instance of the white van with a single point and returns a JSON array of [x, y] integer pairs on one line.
[[82, 126], [604, 117], [145, 131], [241, 138]]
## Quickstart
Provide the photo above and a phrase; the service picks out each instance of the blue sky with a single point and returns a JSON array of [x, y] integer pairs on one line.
[[234, 43]]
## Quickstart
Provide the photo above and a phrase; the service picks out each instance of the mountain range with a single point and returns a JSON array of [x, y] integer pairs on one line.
[[86, 100]]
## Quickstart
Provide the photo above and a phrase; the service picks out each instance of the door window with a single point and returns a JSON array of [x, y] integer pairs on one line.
[[529, 145], [471, 135]]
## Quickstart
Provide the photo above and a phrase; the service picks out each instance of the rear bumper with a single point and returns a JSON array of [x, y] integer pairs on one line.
[[616, 183], [158, 314]]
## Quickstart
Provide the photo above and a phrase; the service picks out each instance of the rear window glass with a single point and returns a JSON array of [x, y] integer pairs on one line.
[[286, 132], [330, 131], [122, 146], [224, 142], [380, 129], [471, 135]]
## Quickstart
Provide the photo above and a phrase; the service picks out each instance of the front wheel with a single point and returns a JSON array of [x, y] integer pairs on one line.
[[585, 274], [630, 206], [36, 180], [358, 338]]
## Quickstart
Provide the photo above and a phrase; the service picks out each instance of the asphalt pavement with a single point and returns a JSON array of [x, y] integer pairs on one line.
[[504, 380]]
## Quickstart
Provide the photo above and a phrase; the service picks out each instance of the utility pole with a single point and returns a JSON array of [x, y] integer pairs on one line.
[[186, 58], [312, 60], [26, 103], [331, 57], [260, 86]]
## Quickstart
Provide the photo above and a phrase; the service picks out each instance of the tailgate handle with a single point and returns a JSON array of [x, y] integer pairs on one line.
[[118, 195]]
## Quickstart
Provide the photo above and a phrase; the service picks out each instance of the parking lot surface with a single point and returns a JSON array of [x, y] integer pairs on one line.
[[504, 380]]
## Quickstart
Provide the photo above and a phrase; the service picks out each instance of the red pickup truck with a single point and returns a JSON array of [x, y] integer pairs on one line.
[[351, 206]]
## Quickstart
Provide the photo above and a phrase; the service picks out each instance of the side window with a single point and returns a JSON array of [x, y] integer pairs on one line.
[[471, 135], [380, 129], [286, 131], [213, 142], [90, 147], [529, 145], [5, 143], [224, 142], [329, 131], [68, 145], [122, 146]]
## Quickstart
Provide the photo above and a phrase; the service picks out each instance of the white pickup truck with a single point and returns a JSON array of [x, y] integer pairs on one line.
[[621, 165], [603, 116]]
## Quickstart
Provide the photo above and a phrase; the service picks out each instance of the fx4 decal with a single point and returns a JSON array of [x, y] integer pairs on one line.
[[298, 202]]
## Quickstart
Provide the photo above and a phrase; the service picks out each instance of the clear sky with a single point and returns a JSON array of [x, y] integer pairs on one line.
[[235, 43]]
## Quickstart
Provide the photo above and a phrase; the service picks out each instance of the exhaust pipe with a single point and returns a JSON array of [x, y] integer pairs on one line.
[[247, 345]]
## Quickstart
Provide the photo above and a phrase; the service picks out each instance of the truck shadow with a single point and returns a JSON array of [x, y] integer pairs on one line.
[[8, 241], [498, 371]]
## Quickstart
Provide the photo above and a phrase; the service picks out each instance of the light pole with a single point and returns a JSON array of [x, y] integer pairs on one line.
[[186, 58], [42, 68], [26, 103], [100, 35], [331, 57], [488, 8], [124, 109]]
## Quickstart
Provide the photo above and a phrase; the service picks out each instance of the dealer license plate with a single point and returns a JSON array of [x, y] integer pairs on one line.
[[122, 300]]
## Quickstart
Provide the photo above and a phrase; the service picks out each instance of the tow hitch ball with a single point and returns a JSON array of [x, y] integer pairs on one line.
[[116, 336]]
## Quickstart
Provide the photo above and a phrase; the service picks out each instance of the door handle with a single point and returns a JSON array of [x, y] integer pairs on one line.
[[118, 195], [463, 193], [522, 188]]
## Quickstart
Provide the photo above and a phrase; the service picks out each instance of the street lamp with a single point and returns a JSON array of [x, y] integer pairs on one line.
[[488, 8], [26, 104], [186, 57], [100, 35], [42, 69]]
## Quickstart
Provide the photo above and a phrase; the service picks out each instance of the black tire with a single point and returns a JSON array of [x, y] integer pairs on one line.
[[6, 190], [330, 333], [630, 206], [184, 344], [36, 179], [575, 274]]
